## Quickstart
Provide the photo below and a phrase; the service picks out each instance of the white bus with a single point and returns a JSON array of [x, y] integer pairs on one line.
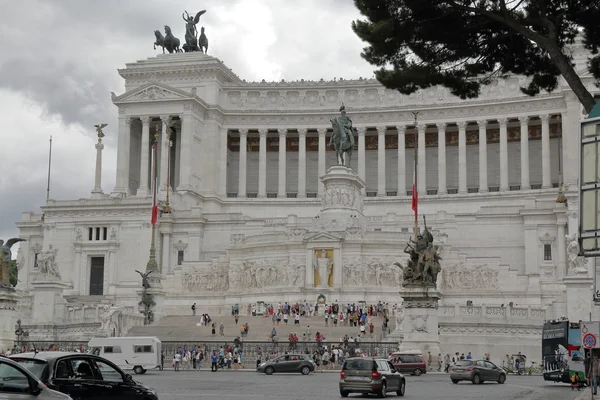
[[136, 353]]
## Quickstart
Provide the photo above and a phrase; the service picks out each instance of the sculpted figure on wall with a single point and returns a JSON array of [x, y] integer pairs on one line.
[[323, 266], [342, 195], [423, 266], [48, 268], [373, 271], [577, 264], [215, 279], [458, 277]]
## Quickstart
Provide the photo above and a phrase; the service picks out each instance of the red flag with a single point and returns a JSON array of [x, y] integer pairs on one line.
[[415, 193], [154, 201]]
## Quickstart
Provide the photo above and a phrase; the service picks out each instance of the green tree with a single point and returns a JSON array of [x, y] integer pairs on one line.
[[463, 44]]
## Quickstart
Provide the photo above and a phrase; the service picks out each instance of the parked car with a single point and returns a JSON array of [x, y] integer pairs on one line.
[[477, 371], [370, 375], [83, 376], [411, 362], [288, 363], [18, 383]]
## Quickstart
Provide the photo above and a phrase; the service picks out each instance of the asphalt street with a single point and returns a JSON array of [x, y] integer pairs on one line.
[[230, 385]]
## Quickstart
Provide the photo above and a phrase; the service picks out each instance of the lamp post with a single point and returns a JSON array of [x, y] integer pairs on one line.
[[20, 332]]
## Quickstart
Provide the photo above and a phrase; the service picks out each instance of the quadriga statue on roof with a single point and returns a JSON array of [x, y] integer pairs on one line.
[[423, 266]]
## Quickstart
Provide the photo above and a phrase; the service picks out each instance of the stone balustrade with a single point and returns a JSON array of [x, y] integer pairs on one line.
[[490, 314]]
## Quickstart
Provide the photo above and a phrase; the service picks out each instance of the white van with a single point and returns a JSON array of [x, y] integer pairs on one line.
[[137, 353]]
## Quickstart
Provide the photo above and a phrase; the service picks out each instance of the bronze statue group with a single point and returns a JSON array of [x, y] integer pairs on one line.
[[192, 41]]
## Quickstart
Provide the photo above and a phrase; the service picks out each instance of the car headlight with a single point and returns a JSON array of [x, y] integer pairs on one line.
[[262, 365]]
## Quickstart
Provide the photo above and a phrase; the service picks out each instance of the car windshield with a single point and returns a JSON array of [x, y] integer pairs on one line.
[[360, 365], [36, 367], [464, 363]]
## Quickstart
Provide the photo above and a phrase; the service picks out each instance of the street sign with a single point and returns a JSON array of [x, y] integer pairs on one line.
[[589, 187], [590, 335]]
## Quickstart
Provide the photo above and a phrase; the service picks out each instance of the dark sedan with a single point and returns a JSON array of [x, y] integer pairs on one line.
[[288, 363], [84, 376]]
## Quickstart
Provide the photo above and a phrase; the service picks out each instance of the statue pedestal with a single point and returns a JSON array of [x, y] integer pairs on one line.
[[8, 310], [342, 201], [579, 293], [47, 296], [420, 325]]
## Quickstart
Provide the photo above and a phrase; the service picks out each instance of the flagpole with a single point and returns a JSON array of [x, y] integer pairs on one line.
[[416, 178], [49, 167], [152, 265]]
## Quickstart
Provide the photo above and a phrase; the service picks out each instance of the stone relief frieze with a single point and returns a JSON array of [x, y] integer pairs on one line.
[[459, 277], [371, 271], [419, 323], [342, 195], [491, 330], [274, 272], [47, 266], [237, 238], [296, 233], [213, 279], [154, 93]]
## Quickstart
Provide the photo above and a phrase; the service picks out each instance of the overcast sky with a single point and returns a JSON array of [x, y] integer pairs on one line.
[[59, 61]]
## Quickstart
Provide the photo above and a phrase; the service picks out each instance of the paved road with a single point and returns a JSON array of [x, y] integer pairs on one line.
[[237, 385]]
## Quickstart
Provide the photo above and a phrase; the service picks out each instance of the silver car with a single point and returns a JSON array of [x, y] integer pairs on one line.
[[477, 371], [17, 383]]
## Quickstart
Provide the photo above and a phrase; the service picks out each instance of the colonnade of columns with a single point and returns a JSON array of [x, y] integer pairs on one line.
[[402, 156]]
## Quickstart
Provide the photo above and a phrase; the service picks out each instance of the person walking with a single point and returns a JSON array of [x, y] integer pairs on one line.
[[214, 357], [194, 309], [593, 374]]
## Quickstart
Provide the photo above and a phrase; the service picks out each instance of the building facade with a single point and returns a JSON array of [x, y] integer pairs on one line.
[[244, 163]]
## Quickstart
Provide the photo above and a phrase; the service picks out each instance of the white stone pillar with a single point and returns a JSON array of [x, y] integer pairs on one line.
[[322, 161], [242, 166], [401, 160], [462, 157], [381, 160], [185, 145], [164, 151], [503, 155], [281, 189], [262, 163], [97, 190], [442, 189], [223, 149], [361, 152], [166, 259], [422, 161], [123, 144], [546, 177], [144, 190], [301, 163], [525, 184], [561, 222], [483, 173]]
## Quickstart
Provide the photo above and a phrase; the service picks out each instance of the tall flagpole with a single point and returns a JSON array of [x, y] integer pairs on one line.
[[415, 193], [49, 166], [152, 264]]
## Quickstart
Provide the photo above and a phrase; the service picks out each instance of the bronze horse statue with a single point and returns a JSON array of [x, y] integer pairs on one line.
[[160, 40], [171, 43], [342, 141], [203, 42]]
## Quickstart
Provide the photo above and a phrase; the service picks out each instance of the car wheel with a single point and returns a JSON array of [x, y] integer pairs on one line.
[[418, 372], [383, 391], [501, 379], [476, 379], [139, 370], [455, 381], [402, 388], [305, 371], [344, 393], [269, 370]]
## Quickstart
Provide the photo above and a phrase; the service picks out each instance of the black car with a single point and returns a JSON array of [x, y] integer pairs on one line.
[[288, 363], [370, 375], [84, 376]]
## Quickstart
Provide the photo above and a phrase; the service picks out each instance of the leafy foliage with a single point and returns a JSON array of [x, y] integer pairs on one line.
[[463, 44]]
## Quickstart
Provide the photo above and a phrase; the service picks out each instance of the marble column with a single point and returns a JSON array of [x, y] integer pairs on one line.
[[185, 153], [401, 160], [166, 253], [322, 163], [442, 188], [546, 177], [381, 160], [223, 149], [144, 190], [483, 172], [242, 165], [361, 152], [301, 163], [97, 190], [262, 163], [503, 155], [561, 222], [164, 151], [281, 188], [525, 185], [462, 157], [422, 161], [124, 142]]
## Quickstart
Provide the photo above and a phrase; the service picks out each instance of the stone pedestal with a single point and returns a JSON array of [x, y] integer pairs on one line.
[[420, 325], [579, 296], [48, 300], [8, 319], [158, 296]]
